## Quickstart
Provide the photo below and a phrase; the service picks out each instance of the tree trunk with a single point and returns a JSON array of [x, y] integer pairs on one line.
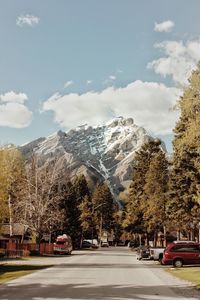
[[178, 235], [155, 239], [165, 236]]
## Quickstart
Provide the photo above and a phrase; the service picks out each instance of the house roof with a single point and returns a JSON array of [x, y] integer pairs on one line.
[[17, 229]]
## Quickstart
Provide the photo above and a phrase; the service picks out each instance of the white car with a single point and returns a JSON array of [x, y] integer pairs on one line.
[[104, 244], [156, 253]]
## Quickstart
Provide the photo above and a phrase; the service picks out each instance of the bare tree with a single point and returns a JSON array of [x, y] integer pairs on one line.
[[38, 201]]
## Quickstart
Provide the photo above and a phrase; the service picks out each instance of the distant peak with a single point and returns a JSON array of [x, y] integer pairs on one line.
[[120, 121], [61, 133]]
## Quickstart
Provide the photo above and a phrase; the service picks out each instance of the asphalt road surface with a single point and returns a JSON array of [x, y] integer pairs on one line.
[[111, 274]]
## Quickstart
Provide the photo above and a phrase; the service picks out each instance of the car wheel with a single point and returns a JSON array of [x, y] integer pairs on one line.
[[160, 258], [178, 263]]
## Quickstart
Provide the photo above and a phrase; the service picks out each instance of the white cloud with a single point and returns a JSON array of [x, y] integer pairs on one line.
[[112, 77], [13, 112], [89, 81], [13, 97], [109, 80], [179, 60], [165, 26], [148, 103], [28, 20], [68, 83]]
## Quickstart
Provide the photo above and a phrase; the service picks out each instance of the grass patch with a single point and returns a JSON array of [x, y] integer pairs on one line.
[[191, 274], [9, 272]]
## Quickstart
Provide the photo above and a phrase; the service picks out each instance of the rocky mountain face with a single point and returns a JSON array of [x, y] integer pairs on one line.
[[104, 152]]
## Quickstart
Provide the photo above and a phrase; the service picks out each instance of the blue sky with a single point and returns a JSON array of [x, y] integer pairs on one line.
[[68, 62]]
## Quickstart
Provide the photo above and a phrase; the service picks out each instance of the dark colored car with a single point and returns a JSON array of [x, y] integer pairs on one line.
[[181, 253], [143, 252], [121, 243], [88, 245], [133, 243]]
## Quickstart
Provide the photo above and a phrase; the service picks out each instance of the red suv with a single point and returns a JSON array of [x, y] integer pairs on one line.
[[181, 253]]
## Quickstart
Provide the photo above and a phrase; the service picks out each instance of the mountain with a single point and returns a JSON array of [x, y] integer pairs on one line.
[[104, 152]]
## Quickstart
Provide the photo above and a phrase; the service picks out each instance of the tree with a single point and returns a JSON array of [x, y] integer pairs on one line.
[[155, 190], [71, 223], [11, 169], [86, 217], [137, 201], [37, 202], [81, 188], [185, 175], [103, 208]]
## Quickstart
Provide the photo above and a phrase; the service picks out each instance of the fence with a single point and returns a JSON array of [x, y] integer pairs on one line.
[[17, 250]]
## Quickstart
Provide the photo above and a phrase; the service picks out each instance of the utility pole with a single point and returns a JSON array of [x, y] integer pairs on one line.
[[100, 230], [101, 221], [10, 215]]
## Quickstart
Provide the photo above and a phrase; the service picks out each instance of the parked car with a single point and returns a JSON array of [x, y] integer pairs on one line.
[[181, 253], [104, 244], [143, 252], [133, 244], [63, 245], [156, 253], [121, 243], [88, 245]]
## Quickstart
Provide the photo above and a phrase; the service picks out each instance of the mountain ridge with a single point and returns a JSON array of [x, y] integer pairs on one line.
[[103, 152]]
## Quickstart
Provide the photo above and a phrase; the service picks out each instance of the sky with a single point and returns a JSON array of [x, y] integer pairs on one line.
[[70, 62]]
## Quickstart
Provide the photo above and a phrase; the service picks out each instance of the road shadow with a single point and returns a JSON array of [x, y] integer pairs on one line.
[[106, 266], [100, 292]]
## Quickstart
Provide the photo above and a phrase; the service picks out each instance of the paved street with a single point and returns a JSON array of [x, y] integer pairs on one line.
[[112, 273]]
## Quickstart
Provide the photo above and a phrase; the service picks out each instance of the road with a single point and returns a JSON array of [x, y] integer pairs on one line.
[[111, 274]]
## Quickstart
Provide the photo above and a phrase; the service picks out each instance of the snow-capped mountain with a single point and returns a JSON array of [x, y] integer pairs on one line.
[[104, 152]]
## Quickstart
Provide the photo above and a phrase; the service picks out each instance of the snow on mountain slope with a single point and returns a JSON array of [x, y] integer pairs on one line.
[[104, 152]]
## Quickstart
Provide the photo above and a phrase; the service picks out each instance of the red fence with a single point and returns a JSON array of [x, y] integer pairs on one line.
[[14, 250]]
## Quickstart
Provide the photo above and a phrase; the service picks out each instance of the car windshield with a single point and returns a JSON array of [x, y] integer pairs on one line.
[[60, 243]]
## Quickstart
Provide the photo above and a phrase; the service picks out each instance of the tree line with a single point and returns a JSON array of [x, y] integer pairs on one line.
[[165, 192], [43, 198]]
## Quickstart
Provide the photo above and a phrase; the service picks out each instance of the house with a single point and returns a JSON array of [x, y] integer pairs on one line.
[[15, 233]]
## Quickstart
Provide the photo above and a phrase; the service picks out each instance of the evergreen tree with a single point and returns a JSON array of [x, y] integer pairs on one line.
[[86, 217], [137, 200], [185, 175], [81, 188], [71, 224], [76, 194], [103, 208], [155, 190]]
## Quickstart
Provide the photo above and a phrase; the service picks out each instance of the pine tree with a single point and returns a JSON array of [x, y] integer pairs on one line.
[[71, 224], [185, 175], [137, 200], [155, 190], [76, 194], [86, 217], [81, 188], [103, 208]]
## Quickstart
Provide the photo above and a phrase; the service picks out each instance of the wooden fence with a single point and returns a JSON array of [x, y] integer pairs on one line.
[[16, 250]]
